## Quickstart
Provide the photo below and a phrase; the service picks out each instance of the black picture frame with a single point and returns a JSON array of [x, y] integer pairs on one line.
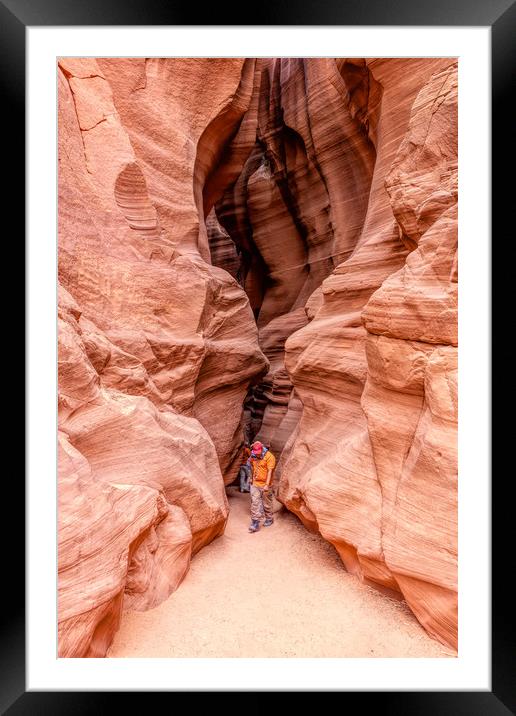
[[500, 15]]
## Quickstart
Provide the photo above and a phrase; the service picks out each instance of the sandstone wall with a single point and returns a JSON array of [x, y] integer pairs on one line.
[[212, 209], [156, 346], [297, 208], [373, 462], [343, 225]]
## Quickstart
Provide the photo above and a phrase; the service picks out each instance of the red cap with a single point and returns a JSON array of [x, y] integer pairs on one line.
[[257, 448]]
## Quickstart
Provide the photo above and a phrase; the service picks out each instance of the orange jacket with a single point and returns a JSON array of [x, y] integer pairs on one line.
[[261, 466]]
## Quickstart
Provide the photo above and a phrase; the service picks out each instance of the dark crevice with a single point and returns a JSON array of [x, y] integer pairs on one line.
[[272, 226]]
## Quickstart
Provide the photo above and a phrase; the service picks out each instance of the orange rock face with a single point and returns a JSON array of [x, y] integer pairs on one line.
[[344, 223], [373, 464], [265, 246], [156, 347]]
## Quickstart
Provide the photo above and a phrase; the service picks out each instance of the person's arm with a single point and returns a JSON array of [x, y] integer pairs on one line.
[[271, 462]]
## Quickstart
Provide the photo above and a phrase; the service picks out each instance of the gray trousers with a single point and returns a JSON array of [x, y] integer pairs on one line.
[[261, 503], [245, 476]]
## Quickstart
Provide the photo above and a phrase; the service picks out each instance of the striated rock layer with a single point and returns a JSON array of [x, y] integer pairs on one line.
[[157, 347], [343, 221], [373, 462], [297, 209], [212, 209]]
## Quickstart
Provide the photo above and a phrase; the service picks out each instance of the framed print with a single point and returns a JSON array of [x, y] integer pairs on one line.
[[269, 265]]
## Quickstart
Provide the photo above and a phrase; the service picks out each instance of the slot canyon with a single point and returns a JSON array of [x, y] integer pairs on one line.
[[256, 249]]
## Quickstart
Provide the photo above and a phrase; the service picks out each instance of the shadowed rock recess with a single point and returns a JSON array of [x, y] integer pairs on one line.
[[265, 248]]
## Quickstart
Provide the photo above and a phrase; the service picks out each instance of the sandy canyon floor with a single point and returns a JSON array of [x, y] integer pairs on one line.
[[281, 592]]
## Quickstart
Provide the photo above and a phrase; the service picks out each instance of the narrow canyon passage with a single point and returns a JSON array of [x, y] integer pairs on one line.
[[260, 249], [281, 592]]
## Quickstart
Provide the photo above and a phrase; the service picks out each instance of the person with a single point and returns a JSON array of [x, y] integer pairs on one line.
[[245, 469], [262, 463]]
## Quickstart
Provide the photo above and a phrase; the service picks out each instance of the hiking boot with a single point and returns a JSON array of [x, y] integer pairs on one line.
[[268, 523], [254, 526]]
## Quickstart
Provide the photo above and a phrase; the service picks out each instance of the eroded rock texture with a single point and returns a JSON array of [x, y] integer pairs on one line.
[[157, 347], [297, 208], [265, 246], [343, 221], [373, 461]]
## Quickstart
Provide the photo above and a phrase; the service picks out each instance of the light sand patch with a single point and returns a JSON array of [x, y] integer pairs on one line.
[[281, 592]]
